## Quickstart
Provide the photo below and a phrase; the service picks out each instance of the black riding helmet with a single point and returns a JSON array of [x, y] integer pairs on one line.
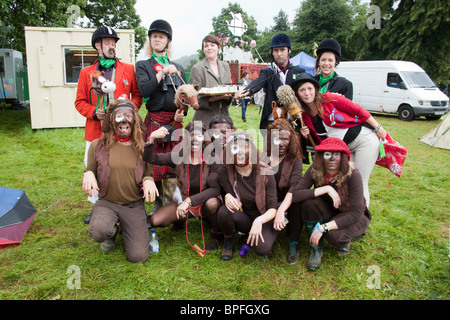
[[103, 32], [280, 40], [329, 45], [161, 26]]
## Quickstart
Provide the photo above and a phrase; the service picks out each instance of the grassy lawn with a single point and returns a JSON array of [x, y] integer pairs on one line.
[[404, 255]]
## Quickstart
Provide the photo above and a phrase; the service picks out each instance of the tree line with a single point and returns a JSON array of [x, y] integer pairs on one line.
[[411, 30]]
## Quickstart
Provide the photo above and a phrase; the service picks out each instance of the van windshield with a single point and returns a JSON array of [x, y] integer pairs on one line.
[[418, 79]]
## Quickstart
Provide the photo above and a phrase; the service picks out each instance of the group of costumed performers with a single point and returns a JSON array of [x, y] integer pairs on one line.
[[243, 190]]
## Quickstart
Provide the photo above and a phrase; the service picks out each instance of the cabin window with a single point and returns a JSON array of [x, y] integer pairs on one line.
[[75, 59], [395, 81]]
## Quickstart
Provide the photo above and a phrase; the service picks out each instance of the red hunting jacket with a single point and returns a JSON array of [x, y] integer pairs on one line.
[[125, 80]]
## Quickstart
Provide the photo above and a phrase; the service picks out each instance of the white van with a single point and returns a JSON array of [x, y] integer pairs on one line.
[[400, 87]]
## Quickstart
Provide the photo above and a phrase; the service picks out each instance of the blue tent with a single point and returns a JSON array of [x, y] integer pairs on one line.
[[304, 61]]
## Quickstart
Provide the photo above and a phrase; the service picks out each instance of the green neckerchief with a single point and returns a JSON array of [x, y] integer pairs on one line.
[[106, 63], [323, 81], [164, 60]]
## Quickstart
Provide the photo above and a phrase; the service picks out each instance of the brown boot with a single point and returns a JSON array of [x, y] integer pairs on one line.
[[227, 251], [215, 242]]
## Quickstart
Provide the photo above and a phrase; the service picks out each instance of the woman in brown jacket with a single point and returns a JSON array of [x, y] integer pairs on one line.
[[335, 208], [250, 197], [211, 72], [197, 181], [286, 161]]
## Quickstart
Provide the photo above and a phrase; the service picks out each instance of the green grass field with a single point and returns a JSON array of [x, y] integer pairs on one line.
[[404, 255]]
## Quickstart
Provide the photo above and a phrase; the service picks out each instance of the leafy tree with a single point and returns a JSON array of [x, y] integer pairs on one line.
[[320, 19], [281, 22], [191, 64], [16, 14], [220, 23], [417, 31], [119, 14]]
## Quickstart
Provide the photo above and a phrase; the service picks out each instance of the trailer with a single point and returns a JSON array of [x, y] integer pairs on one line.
[[11, 77], [55, 57]]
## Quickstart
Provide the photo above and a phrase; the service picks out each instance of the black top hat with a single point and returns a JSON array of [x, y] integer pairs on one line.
[[301, 78]]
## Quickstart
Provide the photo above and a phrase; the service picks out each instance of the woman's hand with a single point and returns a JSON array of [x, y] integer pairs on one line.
[[170, 69], [255, 232], [381, 133], [182, 210], [278, 223], [304, 131], [232, 203], [315, 237], [150, 190], [334, 196], [159, 134], [179, 116]]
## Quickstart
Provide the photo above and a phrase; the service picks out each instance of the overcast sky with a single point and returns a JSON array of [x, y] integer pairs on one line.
[[191, 20]]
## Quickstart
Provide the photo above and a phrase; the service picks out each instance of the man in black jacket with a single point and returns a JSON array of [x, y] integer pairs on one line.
[[271, 78], [158, 79]]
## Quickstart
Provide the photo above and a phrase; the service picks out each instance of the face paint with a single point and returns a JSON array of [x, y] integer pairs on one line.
[[217, 135], [331, 155], [123, 117], [234, 149], [241, 152], [123, 121], [276, 141]]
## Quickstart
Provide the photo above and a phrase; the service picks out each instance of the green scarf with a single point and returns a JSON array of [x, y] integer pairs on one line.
[[164, 60], [323, 81], [106, 63]]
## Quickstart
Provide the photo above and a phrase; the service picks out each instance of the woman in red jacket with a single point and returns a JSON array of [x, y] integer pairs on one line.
[[333, 115]]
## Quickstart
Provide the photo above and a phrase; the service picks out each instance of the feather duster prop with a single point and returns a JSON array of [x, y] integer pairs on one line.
[[289, 101], [287, 98]]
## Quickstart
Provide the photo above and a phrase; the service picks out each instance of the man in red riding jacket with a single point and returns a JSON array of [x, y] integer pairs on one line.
[[91, 101]]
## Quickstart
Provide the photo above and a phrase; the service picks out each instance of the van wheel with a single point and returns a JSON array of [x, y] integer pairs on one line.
[[405, 113]]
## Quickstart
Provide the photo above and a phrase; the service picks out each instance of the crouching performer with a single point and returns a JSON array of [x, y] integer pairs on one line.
[[115, 170], [335, 208], [250, 199], [196, 179]]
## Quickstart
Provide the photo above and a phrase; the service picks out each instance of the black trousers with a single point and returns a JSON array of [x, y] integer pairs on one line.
[[319, 209], [230, 222]]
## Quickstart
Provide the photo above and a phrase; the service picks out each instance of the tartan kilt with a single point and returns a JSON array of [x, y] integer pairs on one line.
[[153, 121]]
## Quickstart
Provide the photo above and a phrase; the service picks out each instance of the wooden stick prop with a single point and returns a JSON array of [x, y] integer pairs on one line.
[[288, 100], [199, 251]]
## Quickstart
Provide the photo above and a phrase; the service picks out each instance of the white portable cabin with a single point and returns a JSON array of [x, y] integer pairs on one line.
[[11, 76], [55, 57], [399, 87]]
